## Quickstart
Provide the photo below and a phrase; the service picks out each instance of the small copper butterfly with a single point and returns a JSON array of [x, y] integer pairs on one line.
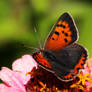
[[61, 54]]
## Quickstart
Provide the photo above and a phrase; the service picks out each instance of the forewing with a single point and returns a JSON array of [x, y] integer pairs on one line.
[[62, 34]]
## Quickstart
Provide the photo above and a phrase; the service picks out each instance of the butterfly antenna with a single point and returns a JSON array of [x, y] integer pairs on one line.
[[38, 38], [33, 48]]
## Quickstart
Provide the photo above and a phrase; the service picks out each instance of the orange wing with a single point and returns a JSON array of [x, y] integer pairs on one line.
[[63, 33]]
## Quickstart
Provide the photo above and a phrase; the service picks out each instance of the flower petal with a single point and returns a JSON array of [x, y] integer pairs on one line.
[[11, 78], [4, 88], [24, 65]]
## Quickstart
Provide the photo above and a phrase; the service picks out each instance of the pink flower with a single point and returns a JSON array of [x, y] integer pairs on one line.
[[88, 70], [16, 79]]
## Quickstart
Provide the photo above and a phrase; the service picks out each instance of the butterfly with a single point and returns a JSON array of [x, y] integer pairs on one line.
[[61, 55]]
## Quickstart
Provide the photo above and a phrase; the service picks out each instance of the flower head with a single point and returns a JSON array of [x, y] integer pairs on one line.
[[27, 76], [44, 81], [16, 79]]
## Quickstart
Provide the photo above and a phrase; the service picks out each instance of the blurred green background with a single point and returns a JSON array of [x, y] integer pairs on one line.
[[18, 18]]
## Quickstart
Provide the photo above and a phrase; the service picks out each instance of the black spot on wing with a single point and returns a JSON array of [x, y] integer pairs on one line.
[[62, 31], [67, 17], [65, 40], [66, 34], [57, 33], [78, 69], [53, 39], [60, 25], [82, 64]]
